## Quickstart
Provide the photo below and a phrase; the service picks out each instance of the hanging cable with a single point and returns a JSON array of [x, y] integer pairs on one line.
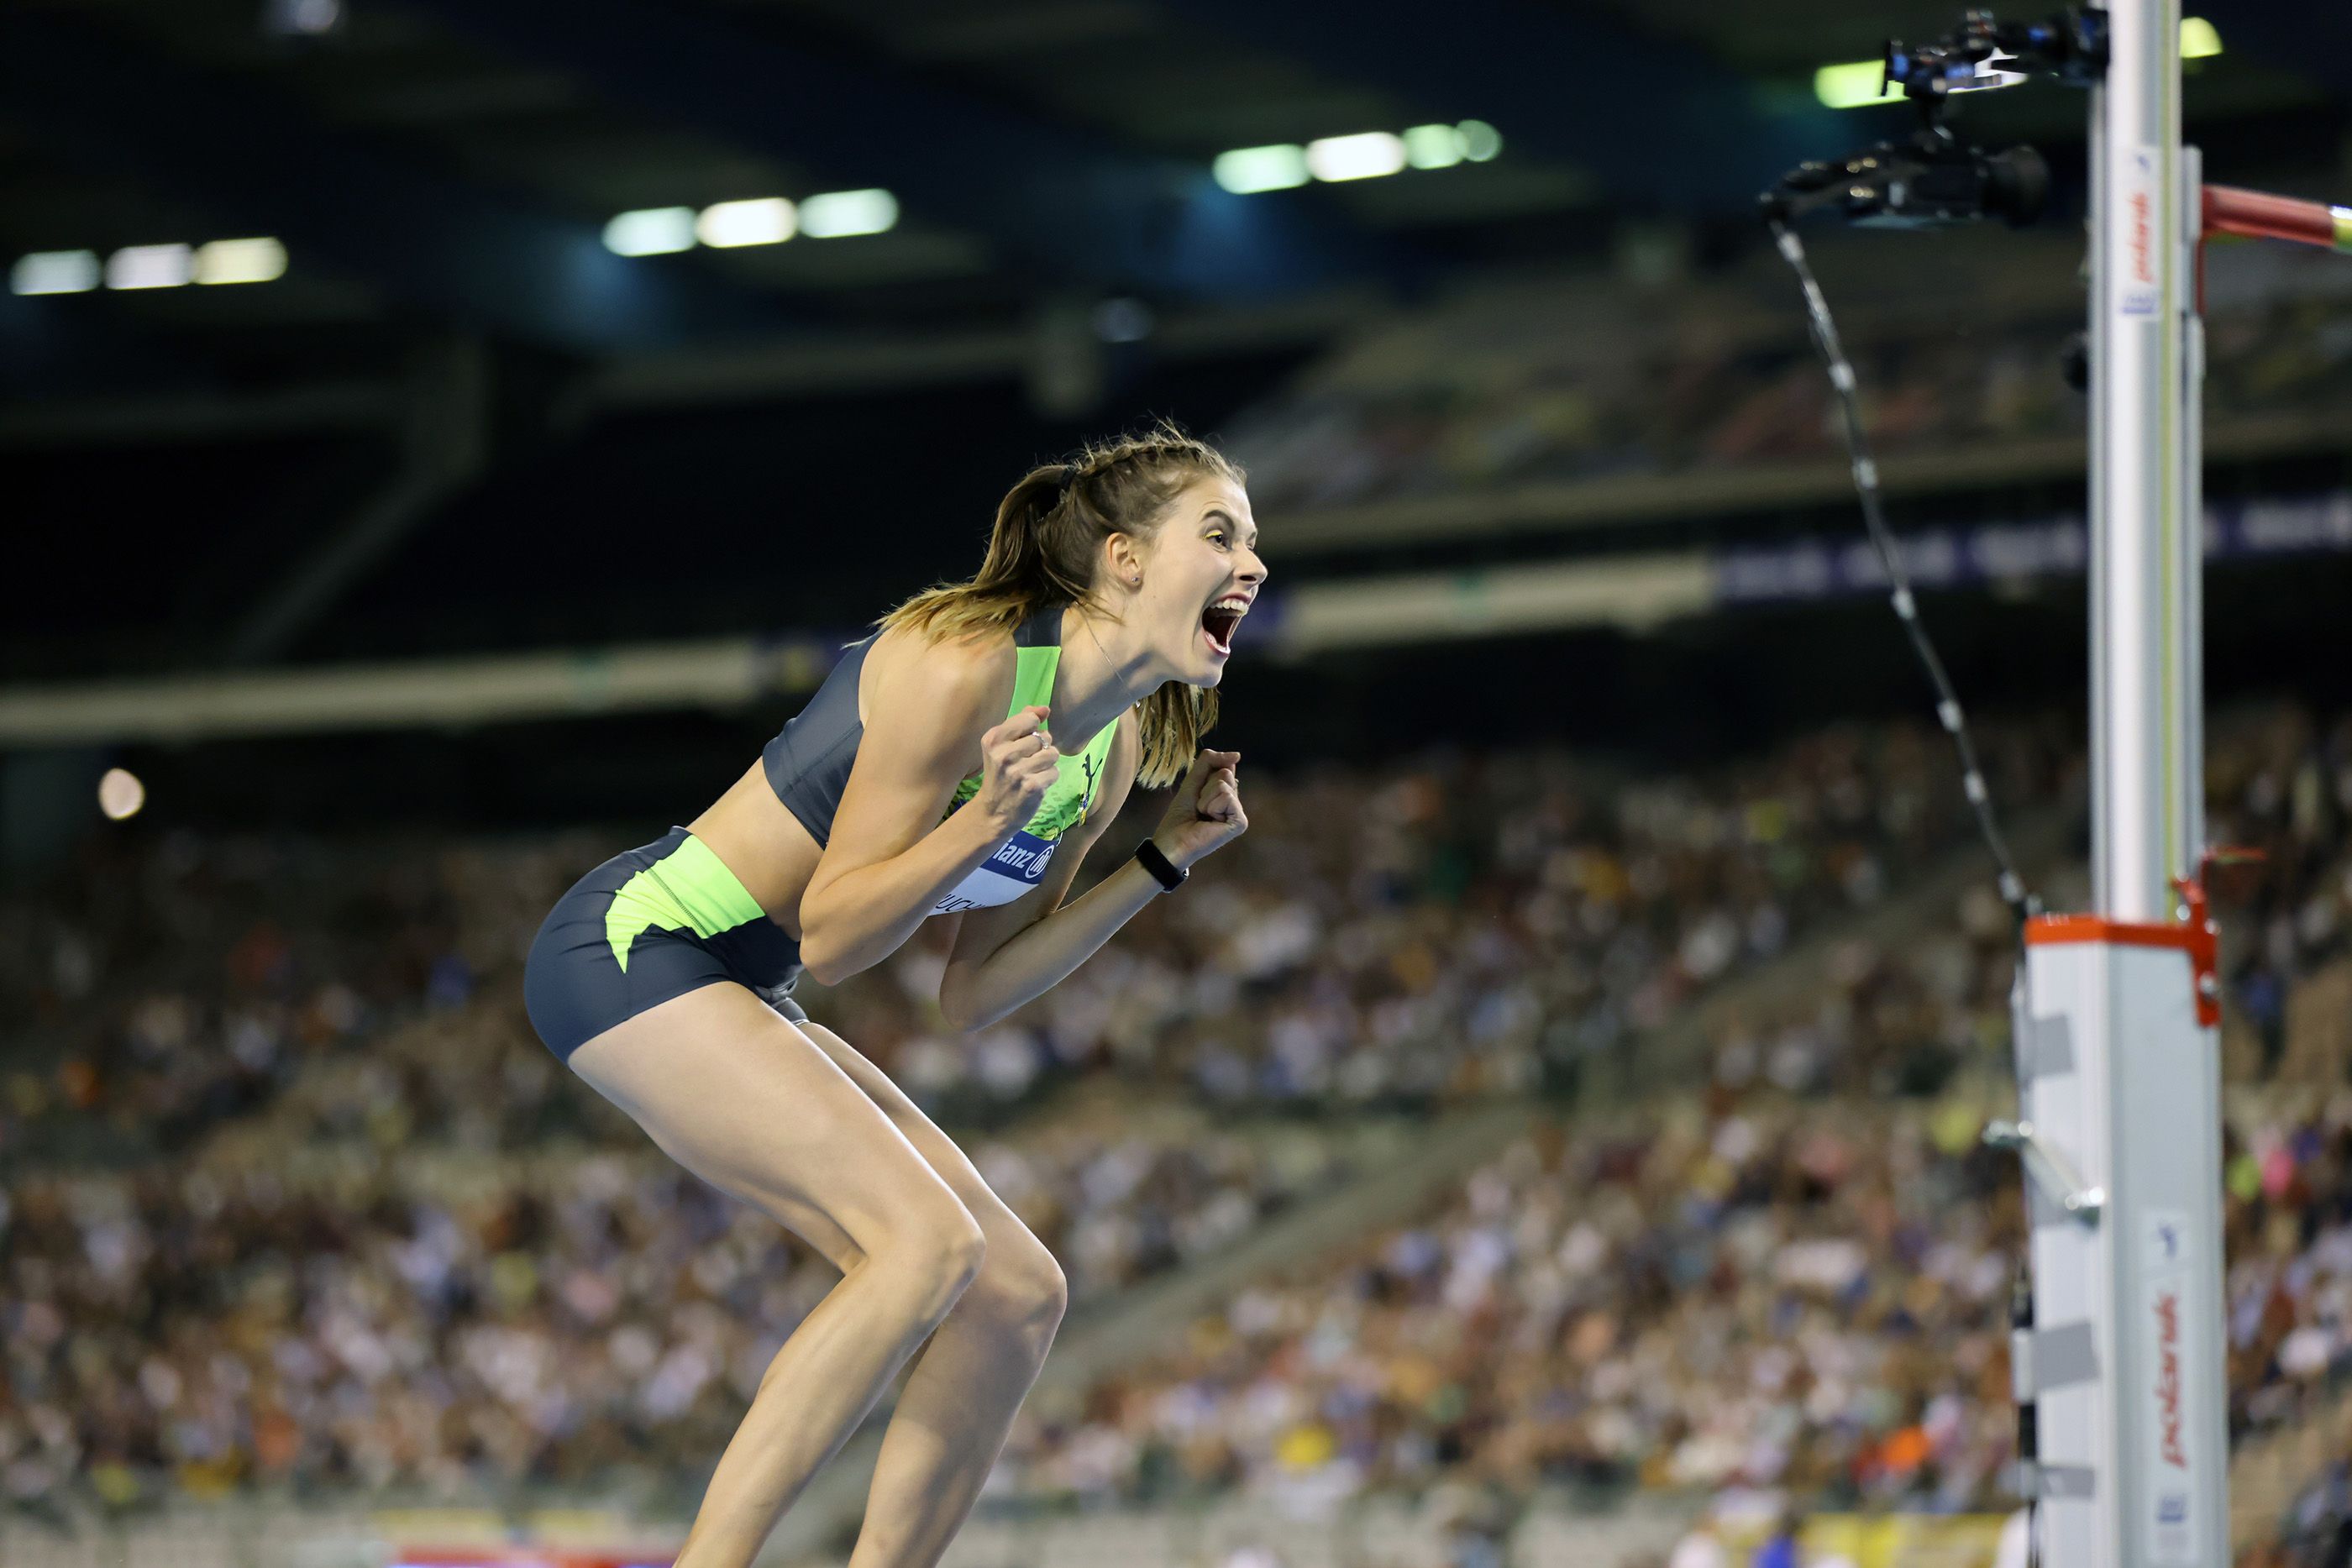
[[2022, 902]]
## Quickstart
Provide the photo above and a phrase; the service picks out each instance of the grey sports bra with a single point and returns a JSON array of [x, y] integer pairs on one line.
[[809, 760]]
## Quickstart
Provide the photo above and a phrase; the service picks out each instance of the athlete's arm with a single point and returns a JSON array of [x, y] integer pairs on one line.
[[890, 859], [1006, 956]]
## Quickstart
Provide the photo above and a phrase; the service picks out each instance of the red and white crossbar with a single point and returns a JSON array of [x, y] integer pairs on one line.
[[2259, 215]]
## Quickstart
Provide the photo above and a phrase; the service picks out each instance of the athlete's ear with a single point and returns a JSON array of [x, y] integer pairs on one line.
[[1122, 561]]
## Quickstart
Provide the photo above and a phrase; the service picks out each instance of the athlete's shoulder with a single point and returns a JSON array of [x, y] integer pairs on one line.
[[947, 672]]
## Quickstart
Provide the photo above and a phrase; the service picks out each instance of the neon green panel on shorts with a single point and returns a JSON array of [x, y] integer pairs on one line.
[[688, 889]]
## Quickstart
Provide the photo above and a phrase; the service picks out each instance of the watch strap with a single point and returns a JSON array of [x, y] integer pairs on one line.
[[1165, 871]]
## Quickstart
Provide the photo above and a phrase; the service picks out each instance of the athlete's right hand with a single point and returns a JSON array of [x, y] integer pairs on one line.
[[1018, 766]]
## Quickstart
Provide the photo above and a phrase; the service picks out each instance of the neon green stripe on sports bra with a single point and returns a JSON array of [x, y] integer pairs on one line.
[[1071, 793]]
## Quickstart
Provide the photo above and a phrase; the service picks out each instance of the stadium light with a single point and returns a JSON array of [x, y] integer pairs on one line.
[[303, 18], [839, 214], [650, 231], [1481, 142], [1433, 147], [1853, 84], [1246, 171], [762, 219], [261, 260], [54, 272], [1368, 155], [150, 266], [1365, 155], [120, 794]]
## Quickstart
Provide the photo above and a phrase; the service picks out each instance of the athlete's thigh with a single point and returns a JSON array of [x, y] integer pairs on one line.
[[954, 1166], [740, 1097]]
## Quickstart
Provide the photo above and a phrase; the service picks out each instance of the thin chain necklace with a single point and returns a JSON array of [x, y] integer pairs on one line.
[[1111, 666]]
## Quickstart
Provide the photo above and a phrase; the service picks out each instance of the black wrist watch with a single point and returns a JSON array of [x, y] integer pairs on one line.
[[1165, 871]]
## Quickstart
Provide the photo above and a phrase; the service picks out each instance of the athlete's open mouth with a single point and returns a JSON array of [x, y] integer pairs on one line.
[[1221, 620]]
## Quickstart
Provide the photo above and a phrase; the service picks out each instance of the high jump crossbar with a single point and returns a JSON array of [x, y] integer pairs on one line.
[[2256, 215]]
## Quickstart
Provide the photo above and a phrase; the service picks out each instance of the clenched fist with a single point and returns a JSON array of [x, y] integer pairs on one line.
[[1018, 766], [1206, 813]]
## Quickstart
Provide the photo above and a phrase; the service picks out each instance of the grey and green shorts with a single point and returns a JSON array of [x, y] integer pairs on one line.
[[644, 926]]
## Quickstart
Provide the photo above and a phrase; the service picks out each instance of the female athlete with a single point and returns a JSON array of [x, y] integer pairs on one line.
[[959, 763]]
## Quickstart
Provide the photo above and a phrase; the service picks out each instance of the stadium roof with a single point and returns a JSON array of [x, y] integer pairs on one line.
[[456, 162], [403, 249]]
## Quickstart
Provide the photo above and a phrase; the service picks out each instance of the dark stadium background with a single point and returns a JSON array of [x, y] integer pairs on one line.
[[137, 545]]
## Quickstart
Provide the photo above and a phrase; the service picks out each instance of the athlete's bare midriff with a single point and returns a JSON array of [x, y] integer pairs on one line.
[[767, 848]]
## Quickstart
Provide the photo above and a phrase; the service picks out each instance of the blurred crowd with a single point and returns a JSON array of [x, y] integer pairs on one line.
[[1462, 926], [1902, 1012], [412, 1252], [294, 1288], [1758, 1294], [381, 1317], [2317, 1529], [1507, 388], [1767, 1283], [1740, 1289], [2282, 791], [1465, 925], [204, 976]]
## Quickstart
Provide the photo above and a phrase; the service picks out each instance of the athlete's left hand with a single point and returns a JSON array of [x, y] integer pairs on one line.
[[1206, 813]]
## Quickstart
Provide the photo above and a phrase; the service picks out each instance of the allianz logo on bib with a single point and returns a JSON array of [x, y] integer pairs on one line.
[[1003, 876], [1025, 856]]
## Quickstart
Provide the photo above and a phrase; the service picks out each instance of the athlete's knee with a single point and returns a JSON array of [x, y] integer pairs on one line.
[[933, 1254], [1021, 1290]]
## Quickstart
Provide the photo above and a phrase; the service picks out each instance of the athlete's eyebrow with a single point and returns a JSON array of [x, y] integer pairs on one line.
[[1220, 512]]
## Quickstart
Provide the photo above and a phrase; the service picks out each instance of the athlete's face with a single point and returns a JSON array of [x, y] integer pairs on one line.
[[1200, 577]]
